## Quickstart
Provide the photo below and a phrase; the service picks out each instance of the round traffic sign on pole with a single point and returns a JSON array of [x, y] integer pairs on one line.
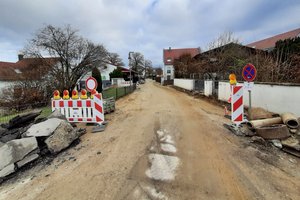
[[91, 84], [249, 72]]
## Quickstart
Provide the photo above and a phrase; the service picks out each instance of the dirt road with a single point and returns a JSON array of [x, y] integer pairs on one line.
[[162, 144]]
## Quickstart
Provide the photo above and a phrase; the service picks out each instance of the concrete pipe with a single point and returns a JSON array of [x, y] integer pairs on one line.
[[264, 122], [290, 120], [275, 131]]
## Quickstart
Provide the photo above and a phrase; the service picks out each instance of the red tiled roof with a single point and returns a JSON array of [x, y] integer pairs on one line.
[[8, 70], [271, 41], [125, 70], [169, 55]]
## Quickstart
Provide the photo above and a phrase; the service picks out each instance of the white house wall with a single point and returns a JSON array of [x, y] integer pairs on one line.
[[165, 72], [104, 72]]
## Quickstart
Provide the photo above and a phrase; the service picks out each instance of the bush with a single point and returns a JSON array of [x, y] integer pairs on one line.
[[97, 75]]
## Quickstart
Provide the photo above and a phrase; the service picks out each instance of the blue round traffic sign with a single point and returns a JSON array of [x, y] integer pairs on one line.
[[249, 72]]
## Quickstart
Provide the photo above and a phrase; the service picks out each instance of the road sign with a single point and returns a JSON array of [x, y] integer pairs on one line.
[[249, 72], [248, 85], [91, 84]]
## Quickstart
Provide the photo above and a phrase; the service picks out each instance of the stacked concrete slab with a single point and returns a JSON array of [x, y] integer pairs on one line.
[[54, 134], [17, 153]]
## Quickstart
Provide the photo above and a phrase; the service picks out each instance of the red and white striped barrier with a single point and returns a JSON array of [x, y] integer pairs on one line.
[[237, 106], [81, 110]]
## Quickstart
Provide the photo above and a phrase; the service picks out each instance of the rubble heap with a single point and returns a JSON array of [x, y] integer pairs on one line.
[[24, 139], [282, 131]]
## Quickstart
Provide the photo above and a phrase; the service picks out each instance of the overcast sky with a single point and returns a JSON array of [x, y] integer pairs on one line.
[[146, 26]]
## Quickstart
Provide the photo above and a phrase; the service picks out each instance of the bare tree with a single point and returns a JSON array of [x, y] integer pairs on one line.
[[137, 62], [76, 54], [114, 59], [185, 65], [158, 71], [223, 39], [148, 68]]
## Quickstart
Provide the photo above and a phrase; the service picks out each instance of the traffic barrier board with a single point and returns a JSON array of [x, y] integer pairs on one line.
[[237, 106]]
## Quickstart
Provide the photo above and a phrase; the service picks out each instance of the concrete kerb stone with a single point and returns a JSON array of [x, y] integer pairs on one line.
[[7, 170], [27, 159], [62, 137], [6, 155], [57, 114], [98, 128], [15, 150], [22, 147], [45, 128]]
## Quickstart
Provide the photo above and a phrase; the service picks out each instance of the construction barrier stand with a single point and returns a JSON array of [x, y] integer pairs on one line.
[[81, 110], [237, 106]]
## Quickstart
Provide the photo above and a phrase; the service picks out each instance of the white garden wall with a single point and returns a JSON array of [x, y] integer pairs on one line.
[[187, 84], [208, 88], [272, 97]]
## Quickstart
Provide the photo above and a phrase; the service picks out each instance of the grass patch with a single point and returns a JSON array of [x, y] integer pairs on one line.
[[46, 111], [111, 92]]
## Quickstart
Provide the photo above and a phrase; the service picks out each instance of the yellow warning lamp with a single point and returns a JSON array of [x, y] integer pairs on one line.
[[66, 94], [75, 94], [56, 95], [94, 91], [83, 94], [232, 79]]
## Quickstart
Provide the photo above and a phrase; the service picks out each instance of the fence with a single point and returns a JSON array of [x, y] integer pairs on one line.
[[118, 92], [199, 85]]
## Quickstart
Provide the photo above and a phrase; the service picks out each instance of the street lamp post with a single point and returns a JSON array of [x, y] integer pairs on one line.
[[129, 59]]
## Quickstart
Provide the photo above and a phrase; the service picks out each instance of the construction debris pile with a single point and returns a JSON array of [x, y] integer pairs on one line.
[[283, 132], [25, 139]]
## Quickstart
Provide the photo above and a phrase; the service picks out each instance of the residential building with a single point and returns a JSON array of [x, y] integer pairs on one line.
[[218, 63], [169, 56], [268, 44], [10, 72], [105, 71]]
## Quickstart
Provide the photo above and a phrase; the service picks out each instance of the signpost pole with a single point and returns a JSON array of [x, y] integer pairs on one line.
[[250, 106], [249, 74]]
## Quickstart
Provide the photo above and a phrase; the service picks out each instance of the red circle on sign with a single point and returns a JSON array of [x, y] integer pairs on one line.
[[249, 72], [91, 84]]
